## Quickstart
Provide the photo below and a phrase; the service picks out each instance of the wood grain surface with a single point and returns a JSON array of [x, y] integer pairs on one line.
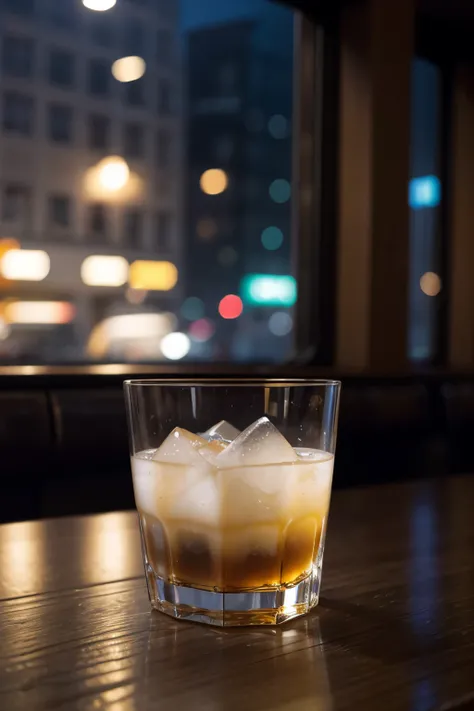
[[394, 630]]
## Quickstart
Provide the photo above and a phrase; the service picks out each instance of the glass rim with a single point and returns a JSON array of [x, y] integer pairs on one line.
[[232, 381]]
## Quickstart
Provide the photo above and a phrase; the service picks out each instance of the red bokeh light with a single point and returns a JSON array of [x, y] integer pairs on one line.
[[231, 306]]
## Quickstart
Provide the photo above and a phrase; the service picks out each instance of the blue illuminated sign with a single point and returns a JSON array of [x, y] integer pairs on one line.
[[424, 192]]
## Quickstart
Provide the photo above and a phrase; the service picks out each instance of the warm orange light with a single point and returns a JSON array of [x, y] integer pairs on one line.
[[39, 312], [430, 284], [213, 181], [153, 276], [6, 245]]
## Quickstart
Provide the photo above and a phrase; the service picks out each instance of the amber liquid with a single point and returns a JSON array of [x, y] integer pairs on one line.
[[234, 558]]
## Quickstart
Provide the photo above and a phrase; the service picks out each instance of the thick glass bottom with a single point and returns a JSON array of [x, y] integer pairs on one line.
[[271, 606]]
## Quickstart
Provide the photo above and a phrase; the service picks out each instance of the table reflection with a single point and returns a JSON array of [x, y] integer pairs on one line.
[[22, 556], [201, 665], [109, 549]]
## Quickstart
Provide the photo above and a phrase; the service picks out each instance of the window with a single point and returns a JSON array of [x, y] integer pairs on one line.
[[18, 113], [97, 222], [163, 148], [164, 97], [18, 56], [134, 38], [163, 47], [61, 68], [134, 139], [60, 123], [133, 228], [16, 206], [21, 7], [425, 212], [115, 169], [163, 231], [99, 77], [135, 93], [99, 130], [59, 210]]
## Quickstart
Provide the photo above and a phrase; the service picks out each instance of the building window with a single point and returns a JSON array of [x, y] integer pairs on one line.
[[164, 97], [163, 149], [16, 205], [134, 38], [60, 123], [163, 231], [21, 7], [97, 221], [135, 93], [133, 228], [18, 56], [59, 210], [18, 113], [99, 74], [61, 68], [163, 47], [426, 238], [99, 130], [133, 140]]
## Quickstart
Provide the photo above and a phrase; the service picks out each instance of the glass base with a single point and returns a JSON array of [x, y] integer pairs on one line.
[[260, 607]]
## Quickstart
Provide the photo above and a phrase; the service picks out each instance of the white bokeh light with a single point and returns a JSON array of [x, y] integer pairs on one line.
[[98, 5], [175, 346], [25, 265], [128, 69], [113, 173]]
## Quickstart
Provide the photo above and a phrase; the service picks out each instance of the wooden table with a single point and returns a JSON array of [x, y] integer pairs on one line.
[[394, 629]]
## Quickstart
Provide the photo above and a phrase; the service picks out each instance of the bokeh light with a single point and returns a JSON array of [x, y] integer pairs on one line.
[[206, 228], [39, 312], [202, 330], [278, 126], [153, 276], [213, 181], [25, 265], [280, 323], [227, 256], [113, 173], [98, 5], [430, 284], [175, 346], [192, 308], [231, 306], [280, 190], [272, 238], [128, 69], [104, 270]]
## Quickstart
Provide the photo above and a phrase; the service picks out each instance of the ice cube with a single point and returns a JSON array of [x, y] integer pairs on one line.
[[261, 443], [199, 503], [145, 473], [222, 431], [180, 447]]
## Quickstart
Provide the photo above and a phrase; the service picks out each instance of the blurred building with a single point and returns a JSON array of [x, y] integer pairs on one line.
[[238, 193], [63, 115]]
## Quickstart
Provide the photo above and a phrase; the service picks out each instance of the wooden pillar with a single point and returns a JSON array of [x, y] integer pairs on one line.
[[377, 49]]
